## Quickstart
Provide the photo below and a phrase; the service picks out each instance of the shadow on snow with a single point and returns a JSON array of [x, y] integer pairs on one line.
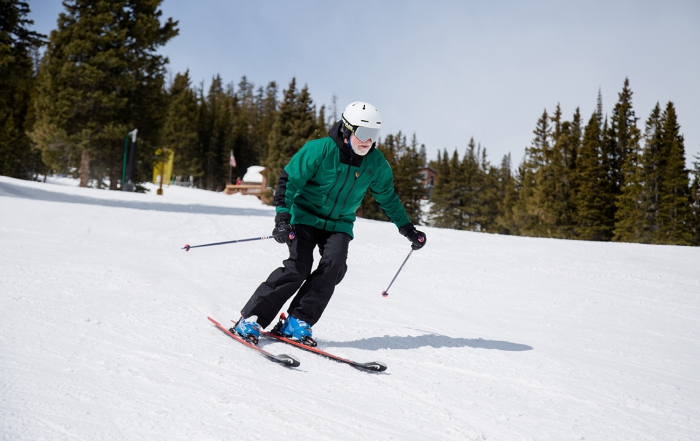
[[432, 340], [17, 191]]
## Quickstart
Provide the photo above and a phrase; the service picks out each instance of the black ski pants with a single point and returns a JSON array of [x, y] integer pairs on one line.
[[314, 288]]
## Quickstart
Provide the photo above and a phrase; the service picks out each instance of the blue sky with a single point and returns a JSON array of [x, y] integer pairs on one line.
[[448, 70]]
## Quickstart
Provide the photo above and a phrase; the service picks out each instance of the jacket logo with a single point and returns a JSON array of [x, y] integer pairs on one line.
[[357, 175]]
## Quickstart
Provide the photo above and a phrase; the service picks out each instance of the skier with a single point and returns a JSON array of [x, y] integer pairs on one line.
[[316, 198]]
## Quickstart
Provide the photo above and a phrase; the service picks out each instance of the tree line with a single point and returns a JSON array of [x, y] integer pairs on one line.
[[606, 180], [101, 76]]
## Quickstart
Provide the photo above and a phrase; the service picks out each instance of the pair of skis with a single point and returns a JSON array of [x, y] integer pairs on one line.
[[290, 360]]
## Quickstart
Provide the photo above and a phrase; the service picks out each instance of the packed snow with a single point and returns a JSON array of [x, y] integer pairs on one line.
[[104, 331]]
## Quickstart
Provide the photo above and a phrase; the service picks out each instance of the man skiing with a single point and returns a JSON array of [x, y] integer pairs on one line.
[[317, 196]]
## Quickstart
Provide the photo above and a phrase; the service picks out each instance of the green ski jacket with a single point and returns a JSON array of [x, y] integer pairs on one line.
[[324, 184]]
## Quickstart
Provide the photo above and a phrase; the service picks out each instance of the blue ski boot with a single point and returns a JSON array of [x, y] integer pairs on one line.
[[248, 329], [295, 329]]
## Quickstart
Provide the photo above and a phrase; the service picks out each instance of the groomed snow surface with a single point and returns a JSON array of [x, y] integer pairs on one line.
[[104, 332]]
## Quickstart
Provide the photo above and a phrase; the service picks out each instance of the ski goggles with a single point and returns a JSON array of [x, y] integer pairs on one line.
[[363, 133]]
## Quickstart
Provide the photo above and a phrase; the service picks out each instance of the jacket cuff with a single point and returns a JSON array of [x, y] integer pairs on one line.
[[282, 216], [405, 229]]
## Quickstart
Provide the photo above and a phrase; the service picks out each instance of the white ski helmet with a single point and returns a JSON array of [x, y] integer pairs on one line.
[[363, 119]]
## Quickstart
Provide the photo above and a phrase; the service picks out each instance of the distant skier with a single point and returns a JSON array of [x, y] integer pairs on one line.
[[317, 196]]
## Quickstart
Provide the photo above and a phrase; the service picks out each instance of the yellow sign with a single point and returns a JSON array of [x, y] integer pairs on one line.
[[158, 168]]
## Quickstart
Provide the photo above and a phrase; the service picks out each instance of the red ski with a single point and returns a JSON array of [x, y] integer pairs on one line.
[[374, 366], [284, 359]]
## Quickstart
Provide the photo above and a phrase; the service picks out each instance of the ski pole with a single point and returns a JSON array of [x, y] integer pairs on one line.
[[187, 247], [385, 293]]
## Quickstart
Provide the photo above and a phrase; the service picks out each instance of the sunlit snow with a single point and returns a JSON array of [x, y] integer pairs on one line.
[[104, 332]]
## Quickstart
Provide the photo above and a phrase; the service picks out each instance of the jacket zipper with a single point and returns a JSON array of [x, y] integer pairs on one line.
[[325, 224], [337, 177], [345, 202]]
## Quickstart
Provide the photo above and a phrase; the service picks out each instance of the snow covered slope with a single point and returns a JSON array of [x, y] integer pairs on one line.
[[103, 330]]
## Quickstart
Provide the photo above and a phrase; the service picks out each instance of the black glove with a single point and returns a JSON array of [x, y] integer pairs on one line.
[[283, 232], [416, 237]]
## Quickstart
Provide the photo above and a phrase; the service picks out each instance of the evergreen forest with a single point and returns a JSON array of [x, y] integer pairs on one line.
[[594, 177]]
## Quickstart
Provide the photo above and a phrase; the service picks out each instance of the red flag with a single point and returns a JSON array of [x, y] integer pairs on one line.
[[232, 160]]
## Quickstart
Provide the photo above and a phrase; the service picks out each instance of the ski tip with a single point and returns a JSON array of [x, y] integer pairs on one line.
[[287, 360], [374, 366]]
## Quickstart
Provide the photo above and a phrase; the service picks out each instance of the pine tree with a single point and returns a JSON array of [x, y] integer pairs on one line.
[[568, 147], [100, 78], [553, 192], [470, 190], [622, 161], [559, 189], [447, 208], [629, 221], [528, 211], [245, 140], [180, 129], [593, 199], [420, 150], [629, 184], [507, 197], [407, 178], [295, 123], [611, 175], [488, 195], [675, 216], [17, 46], [625, 135], [438, 202], [216, 133], [267, 112], [405, 162], [653, 163], [695, 201], [321, 126]]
